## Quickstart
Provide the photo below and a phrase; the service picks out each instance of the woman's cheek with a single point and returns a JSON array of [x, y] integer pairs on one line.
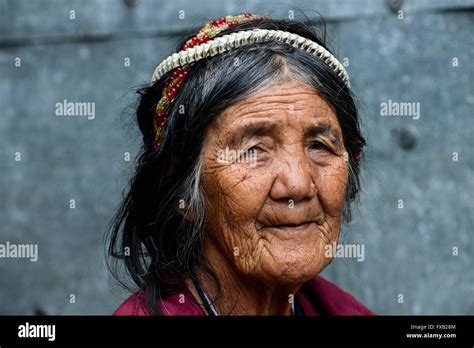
[[245, 190], [332, 187], [235, 194]]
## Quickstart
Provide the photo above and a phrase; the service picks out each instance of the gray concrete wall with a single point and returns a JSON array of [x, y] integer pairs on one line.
[[423, 251]]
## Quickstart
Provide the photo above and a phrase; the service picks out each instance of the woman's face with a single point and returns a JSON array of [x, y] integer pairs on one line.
[[274, 176]]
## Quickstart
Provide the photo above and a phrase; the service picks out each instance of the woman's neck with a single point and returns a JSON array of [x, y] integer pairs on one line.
[[241, 295]]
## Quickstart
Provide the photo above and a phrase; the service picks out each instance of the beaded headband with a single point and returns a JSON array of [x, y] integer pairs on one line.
[[201, 46]]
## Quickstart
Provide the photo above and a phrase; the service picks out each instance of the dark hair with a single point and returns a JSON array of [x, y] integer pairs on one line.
[[158, 244]]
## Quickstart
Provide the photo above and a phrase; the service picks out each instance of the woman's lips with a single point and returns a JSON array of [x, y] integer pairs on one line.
[[291, 228]]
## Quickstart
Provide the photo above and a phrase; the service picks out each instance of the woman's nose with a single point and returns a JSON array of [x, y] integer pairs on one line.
[[293, 178]]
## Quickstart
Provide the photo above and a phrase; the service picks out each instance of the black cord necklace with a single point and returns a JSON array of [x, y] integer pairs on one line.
[[204, 298]]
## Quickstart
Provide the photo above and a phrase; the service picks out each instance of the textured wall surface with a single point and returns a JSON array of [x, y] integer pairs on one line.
[[415, 218]]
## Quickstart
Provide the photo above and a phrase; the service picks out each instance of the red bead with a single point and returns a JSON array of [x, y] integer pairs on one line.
[[195, 40], [357, 157], [181, 76]]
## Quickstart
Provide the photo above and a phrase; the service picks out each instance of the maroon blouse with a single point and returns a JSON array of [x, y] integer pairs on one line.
[[316, 297]]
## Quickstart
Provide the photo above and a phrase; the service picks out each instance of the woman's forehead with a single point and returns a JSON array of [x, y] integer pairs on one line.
[[284, 98], [277, 106]]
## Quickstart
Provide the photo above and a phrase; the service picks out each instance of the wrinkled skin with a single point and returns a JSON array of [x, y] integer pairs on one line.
[[251, 240]]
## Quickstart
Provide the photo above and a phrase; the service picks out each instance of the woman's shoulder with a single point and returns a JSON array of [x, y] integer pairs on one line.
[[322, 297], [181, 303], [133, 305]]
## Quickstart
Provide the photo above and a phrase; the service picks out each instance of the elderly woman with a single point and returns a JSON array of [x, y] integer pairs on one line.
[[250, 158]]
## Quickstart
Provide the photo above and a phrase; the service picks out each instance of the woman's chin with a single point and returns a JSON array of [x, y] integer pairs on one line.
[[292, 268]]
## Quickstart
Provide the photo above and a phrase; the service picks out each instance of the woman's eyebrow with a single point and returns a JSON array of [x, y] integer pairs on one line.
[[245, 133], [324, 129]]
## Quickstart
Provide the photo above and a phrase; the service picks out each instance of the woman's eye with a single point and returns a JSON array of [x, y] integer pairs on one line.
[[251, 152], [253, 149], [250, 156], [317, 145]]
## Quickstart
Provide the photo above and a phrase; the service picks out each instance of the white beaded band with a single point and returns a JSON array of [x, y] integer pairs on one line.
[[229, 41]]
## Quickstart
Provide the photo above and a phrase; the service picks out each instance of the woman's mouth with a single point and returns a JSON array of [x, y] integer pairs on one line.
[[292, 228]]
